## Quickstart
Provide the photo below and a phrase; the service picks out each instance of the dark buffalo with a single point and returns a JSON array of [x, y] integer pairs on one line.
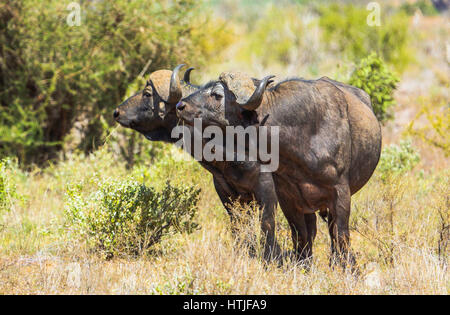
[[330, 143], [152, 113]]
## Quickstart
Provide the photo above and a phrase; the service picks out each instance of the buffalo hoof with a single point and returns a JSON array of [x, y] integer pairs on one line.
[[346, 262]]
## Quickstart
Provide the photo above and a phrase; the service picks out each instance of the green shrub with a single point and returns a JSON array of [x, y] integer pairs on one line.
[[373, 76], [425, 6], [345, 30], [126, 217], [274, 37], [53, 75], [436, 132], [7, 184], [397, 159]]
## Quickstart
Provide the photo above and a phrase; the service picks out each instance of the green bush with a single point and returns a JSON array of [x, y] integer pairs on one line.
[[345, 30], [425, 6], [281, 30], [7, 185], [373, 76], [397, 159], [126, 217], [53, 75]]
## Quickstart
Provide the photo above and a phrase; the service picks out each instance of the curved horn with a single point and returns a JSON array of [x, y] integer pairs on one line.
[[187, 78], [255, 100], [175, 93]]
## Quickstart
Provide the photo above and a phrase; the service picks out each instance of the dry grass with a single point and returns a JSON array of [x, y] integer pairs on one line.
[[38, 256]]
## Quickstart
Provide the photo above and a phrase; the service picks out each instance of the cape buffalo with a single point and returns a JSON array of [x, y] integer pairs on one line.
[[329, 138], [152, 113]]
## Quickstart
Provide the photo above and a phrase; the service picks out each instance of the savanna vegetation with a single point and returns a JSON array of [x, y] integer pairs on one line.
[[89, 207]]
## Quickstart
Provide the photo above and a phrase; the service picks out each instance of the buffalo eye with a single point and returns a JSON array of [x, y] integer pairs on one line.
[[217, 96], [147, 94], [217, 92]]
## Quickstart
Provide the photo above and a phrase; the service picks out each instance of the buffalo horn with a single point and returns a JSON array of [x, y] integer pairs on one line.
[[175, 93], [255, 100]]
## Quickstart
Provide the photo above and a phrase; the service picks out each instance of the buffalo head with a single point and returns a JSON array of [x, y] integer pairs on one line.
[[149, 110], [224, 102]]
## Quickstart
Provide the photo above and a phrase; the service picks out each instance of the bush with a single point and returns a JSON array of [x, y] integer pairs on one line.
[[436, 132], [54, 76], [373, 76], [7, 185], [126, 217], [397, 159], [281, 30], [346, 31], [425, 6]]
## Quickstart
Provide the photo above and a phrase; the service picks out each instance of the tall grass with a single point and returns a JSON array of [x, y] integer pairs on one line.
[[396, 233]]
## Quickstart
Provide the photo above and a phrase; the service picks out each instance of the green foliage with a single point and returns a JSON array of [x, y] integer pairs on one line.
[[53, 75], [397, 159], [7, 183], [436, 110], [127, 217], [274, 37], [345, 30], [373, 76], [173, 163], [425, 6]]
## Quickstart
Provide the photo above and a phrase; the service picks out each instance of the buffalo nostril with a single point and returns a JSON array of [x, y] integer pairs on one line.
[[116, 114], [181, 106]]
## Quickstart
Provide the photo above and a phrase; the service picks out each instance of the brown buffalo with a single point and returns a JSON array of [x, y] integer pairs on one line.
[[330, 143]]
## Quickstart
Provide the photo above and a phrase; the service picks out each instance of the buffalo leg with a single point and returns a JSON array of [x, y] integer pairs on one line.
[[225, 195], [267, 200], [338, 226], [311, 226], [300, 237], [228, 199], [303, 230]]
